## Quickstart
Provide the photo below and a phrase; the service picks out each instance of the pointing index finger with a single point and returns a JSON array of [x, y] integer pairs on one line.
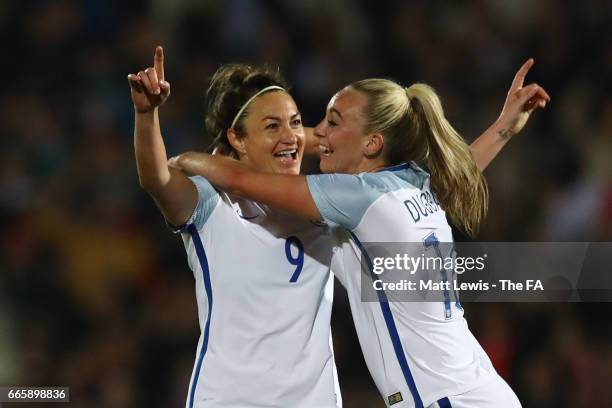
[[519, 78], [158, 63]]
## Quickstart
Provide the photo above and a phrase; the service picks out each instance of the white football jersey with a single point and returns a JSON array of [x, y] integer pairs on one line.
[[264, 294], [418, 353]]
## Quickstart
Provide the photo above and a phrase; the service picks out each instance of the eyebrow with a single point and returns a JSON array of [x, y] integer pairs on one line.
[[277, 118], [336, 111]]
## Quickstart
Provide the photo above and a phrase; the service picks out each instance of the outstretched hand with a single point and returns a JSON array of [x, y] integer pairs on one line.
[[149, 88], [521, 102]]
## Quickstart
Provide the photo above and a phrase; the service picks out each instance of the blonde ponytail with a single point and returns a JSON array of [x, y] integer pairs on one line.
[[414, 128], [457, 182]]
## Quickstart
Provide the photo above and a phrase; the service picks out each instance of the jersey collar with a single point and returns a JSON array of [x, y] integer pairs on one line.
[[396, 167]]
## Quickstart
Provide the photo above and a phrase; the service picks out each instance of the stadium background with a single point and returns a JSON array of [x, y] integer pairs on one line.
[[95, 293]]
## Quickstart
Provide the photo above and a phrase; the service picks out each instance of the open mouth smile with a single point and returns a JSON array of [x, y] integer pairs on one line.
[[287, 157], [325, 150]]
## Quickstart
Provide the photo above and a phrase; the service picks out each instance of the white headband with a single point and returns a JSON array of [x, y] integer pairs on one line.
[[266, 89]]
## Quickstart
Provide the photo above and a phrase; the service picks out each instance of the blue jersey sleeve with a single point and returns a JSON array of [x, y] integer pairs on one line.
[[342, 199], [208, 198]]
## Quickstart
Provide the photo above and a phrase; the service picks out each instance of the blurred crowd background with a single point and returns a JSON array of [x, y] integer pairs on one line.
[[95, 292]]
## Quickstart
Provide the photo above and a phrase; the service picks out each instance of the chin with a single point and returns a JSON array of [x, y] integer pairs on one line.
[[326, 166], [293, 170]]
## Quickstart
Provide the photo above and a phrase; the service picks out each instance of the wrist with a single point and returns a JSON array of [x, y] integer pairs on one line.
[[503, 130], [145, 112]]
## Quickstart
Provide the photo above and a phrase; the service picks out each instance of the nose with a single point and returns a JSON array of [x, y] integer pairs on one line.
[[319, 130], [288, 135]]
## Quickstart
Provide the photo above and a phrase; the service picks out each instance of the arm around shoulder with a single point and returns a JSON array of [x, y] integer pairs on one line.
[[283, 191]]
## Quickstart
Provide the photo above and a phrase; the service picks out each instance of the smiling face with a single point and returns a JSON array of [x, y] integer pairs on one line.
[[274, 139], [341, 133]]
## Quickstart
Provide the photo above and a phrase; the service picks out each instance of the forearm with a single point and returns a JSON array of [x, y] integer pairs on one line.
[[519, 104], [220, 171], [174, 194], [287, 192], [150, 151], [489, 144]]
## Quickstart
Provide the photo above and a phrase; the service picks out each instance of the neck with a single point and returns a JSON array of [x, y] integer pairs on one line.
[[371, 166]]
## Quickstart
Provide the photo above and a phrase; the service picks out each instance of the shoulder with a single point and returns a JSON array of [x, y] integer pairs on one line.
[[343, 199], [383, 181], [405, 175], [208, 198]]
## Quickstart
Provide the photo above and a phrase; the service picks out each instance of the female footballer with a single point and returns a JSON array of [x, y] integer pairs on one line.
[[263, 286]]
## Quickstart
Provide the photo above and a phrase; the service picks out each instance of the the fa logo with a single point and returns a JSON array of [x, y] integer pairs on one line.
[[534, 284]]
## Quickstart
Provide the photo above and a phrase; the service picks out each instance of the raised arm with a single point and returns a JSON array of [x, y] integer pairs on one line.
[[287, 192], [175, 195], [520, 103]]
